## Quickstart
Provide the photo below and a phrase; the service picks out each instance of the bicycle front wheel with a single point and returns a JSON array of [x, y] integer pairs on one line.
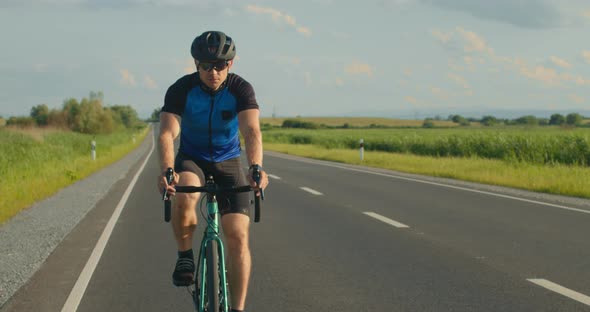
[[212, 277]]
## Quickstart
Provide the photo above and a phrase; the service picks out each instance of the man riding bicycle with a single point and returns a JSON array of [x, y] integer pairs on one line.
[[208, 108]]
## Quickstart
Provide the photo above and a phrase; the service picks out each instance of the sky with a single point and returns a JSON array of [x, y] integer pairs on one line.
[[381, 58]]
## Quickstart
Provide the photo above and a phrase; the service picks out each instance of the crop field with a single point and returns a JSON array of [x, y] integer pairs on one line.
[[538, 145]]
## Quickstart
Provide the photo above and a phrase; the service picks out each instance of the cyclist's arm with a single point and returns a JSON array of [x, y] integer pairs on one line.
[[169, 130], [250, 129]]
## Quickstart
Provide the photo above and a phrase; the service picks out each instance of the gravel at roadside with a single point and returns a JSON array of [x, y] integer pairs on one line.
[[28, 238]]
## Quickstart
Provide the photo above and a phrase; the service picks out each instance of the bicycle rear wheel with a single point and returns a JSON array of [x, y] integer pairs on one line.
[[212, 277]]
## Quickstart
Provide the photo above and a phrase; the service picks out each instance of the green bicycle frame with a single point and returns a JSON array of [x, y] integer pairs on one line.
[[211, 238], [212, 234]]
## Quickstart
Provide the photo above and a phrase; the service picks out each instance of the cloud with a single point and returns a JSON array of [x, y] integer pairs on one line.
[[360, 68], [150, 83], [440, 93], [579, 80], [462, 41], [541, 73], [279, 18], [474, 42], [560, 62], [459, 80], [189, 66], [304, 30], [441, 36], [576, 99], [454, 66], [586, 13], [546, 75], [127, 79], [521, 13], [411, 100], [476, 50], [471, 61]]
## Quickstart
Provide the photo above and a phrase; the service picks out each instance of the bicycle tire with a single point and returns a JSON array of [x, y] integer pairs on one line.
[[212, 277]]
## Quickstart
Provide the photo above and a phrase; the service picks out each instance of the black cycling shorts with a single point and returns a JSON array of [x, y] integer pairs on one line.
[[227, 173]]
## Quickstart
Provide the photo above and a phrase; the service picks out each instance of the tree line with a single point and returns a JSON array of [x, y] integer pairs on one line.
[[569, 120], [572, 119], [88, 115]]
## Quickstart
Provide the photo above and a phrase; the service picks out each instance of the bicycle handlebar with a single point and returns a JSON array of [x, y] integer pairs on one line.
[[214, 189]]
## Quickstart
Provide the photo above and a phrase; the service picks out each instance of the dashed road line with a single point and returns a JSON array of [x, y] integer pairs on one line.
[[272, 176], [561, 290], [312, 191], [385, 219]]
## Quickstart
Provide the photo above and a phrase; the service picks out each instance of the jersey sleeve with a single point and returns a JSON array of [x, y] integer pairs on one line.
[[244, 92], [247, 98], [175, 99]]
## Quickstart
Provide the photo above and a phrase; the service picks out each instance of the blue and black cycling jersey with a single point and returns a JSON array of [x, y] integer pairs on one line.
[[209, 125]]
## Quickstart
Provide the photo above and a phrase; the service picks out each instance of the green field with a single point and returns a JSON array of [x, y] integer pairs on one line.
[[539, 145], [36, 163]]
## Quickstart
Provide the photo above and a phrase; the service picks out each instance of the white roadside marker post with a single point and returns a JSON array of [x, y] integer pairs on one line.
[[93, 149], [362, 149]]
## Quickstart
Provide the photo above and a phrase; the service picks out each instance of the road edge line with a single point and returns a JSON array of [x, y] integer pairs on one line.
[[75, 296]]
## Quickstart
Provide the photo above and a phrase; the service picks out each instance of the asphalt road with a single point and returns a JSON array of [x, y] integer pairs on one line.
[[337, 238]]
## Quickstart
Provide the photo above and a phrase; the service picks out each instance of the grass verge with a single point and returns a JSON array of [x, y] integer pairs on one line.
[[37, 163], [553, 179]]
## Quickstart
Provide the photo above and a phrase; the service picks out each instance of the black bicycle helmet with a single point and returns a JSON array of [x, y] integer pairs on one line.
[[213, 46]]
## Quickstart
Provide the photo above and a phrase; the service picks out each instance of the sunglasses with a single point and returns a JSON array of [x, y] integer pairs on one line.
[[208, 66]]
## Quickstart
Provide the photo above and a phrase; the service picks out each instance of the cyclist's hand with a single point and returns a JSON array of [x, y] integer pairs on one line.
[[163, 185], [263, 180]]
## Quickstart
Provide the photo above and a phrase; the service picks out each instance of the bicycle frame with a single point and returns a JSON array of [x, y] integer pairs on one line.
[[211, 234], [211, 237]]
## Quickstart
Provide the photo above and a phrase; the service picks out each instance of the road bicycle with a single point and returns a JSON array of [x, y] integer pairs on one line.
[[210, 288]]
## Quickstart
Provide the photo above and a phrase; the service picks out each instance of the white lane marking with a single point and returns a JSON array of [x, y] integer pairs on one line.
[[386, 220], [561, 290], [77, 292], [269, 175], [443, 185], [314, 192]]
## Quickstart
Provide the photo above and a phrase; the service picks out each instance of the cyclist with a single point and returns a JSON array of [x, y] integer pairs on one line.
[[208, 108]]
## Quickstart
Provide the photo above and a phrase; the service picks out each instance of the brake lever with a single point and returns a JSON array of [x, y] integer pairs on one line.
[[165, 198], [256, 177], [169, 177]]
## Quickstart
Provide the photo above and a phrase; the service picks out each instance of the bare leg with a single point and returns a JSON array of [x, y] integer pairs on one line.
[[235, 228], [184, 216]]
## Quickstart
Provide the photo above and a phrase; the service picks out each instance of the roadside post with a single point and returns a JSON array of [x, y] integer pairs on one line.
[[362, 149], [93, 149]]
